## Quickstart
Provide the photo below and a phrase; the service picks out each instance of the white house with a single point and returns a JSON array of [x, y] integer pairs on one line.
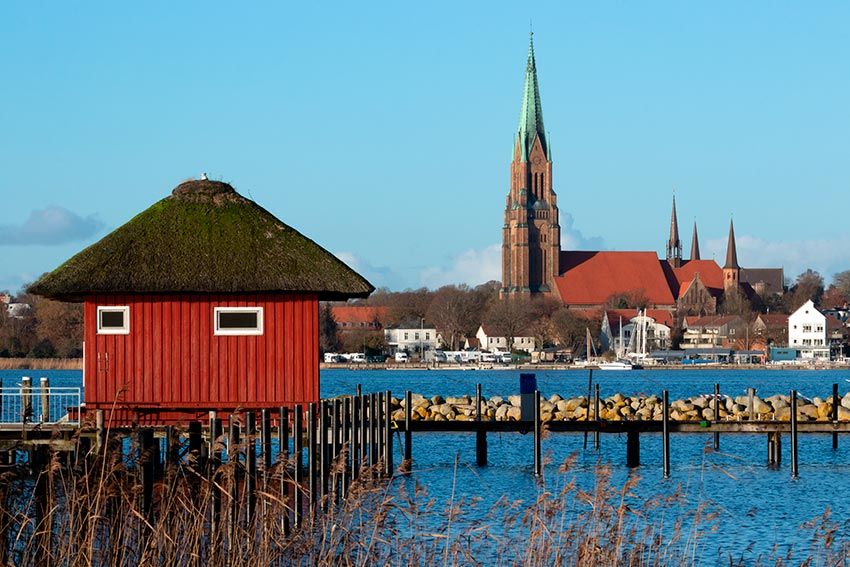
[[641, 332], [488, 339], [807, 332], [411, 339]]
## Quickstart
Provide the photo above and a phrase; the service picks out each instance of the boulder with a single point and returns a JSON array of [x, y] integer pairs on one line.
[[782, 414], [497, 400], [843, 414], [515, 401], [502, 412], [459, 401], [437, 400], [514, 413], [760, 407], [555, 398]]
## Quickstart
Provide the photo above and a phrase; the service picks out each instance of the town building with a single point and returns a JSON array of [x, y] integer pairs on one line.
[[807, 332], [770, 329], [491, 339], [655, 324], [716, 331], [205, 301], [534, 264], [411, 339], [359, 317]]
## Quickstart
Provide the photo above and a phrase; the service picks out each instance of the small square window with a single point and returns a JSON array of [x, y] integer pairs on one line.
[[238, 320], [113, 320]]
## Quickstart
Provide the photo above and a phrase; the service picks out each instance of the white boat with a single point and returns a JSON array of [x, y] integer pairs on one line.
[[617, 365]]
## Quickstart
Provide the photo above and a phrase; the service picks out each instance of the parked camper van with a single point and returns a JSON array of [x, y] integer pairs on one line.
[[401, 357]]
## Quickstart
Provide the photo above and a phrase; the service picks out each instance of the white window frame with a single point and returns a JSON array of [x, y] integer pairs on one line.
[[125, 330], [238, 332]]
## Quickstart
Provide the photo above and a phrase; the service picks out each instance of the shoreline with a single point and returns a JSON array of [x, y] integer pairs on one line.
[[570, 368], [41, 363]]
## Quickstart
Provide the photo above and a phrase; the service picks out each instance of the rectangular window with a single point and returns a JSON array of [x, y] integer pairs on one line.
[[238, 320], [427, 336], [405, 336], [807, 328], [113, 320]]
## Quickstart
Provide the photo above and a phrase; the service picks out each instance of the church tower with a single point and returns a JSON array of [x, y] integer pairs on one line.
[[674, 245], [695, 244], [731, 269], [531, 235]]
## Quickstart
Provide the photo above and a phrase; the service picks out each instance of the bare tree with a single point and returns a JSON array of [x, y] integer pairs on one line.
[[809, 285], [456, 312], [510, 317]]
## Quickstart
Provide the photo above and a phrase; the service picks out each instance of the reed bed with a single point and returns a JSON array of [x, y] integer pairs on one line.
[[91, 514], [41, 363]]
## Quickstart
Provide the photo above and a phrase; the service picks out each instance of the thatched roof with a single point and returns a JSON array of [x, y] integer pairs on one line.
[[204, 238]]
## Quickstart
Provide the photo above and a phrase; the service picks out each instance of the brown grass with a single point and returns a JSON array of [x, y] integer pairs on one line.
[[41, 363]]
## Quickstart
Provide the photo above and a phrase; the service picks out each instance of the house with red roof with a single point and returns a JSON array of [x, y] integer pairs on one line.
[[359, 317]]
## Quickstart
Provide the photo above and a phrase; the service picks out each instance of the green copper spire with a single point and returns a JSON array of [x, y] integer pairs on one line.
[[531, 114]]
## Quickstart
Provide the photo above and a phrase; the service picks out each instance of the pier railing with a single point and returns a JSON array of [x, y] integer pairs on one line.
[[25, 404]]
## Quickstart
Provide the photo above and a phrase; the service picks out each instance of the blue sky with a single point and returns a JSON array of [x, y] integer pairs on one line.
[[384, 130]]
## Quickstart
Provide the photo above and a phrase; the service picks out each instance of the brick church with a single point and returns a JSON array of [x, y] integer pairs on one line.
[[534, 264]]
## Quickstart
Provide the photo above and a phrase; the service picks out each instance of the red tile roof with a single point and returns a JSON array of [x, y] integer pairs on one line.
[[713, 321], [774, 319], [709, 272], [356, 314], [590, 278]]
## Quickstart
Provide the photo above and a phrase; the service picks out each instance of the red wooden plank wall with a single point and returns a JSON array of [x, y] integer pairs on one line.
[[172, 360]]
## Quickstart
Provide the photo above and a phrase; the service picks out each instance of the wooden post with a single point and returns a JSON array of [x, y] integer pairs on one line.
[[345, 432], [213, 464], [266, 442], [233, 461], [716, 415], [324, 467], [146, 469], [408, 434], [364, 431], [311, 454], [480, 434], [26, 400], [771, 453], [1, 421], [665, 429], [336, 410], [388, 433], [251, 465], [836, 401], [379, 440], [356, 451], [538, 457], [195, 442], [100, 439], [589, 393], [373, 430], [632, 449], [751, 392], [596, 416], [794, 470], [44, 392], [297, 442]]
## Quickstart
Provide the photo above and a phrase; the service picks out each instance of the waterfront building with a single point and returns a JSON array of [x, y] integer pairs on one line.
[[534, 264], [657, 322], [715, 331], [205, 301], [489, 338], [359, 317], [411, 338], [807, 332]]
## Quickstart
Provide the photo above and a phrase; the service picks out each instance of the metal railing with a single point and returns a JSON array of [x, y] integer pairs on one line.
[[40, 405]]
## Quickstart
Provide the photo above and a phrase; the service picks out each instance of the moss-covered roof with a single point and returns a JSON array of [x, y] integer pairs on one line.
[[204, 238]]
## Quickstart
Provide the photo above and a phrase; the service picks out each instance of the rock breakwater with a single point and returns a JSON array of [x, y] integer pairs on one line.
[[620, 407]]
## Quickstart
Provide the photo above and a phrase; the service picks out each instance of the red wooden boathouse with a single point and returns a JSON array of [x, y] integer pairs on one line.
[[205, 301]]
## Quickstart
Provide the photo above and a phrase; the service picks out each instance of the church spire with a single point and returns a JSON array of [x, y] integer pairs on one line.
[[731, 250], [695, 244], [674, 245], [531, 113]]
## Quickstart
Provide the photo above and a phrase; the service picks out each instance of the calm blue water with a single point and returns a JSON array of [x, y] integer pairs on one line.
[[760, 509]]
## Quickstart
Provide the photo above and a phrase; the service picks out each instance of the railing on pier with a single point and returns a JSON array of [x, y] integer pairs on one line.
[[40, 405]]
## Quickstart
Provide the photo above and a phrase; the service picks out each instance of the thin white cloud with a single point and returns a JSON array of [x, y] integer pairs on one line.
[[472, 267], [573, 239], [378, 276], [50, 226], [827, 256]]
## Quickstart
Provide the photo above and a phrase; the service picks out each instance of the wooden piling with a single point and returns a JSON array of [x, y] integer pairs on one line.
[[26, 400], [145, 441], [233, 460], [632, 449], [336, 410], [481, 434], [596, 416], [355, 450], [266, 441], [345, 432], [538, 457], [836, 401], [665, 433], [297, 449], [716, 415], [381, 437], [388, 434], [312, 472], [100, 436], [364, 431], [408, 434], [44, 393], [373, 430], [172, 449], [250, 465], [213, 464], [589, 393], [794, 469], [751, 413], [324, 465], [195, 443]]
